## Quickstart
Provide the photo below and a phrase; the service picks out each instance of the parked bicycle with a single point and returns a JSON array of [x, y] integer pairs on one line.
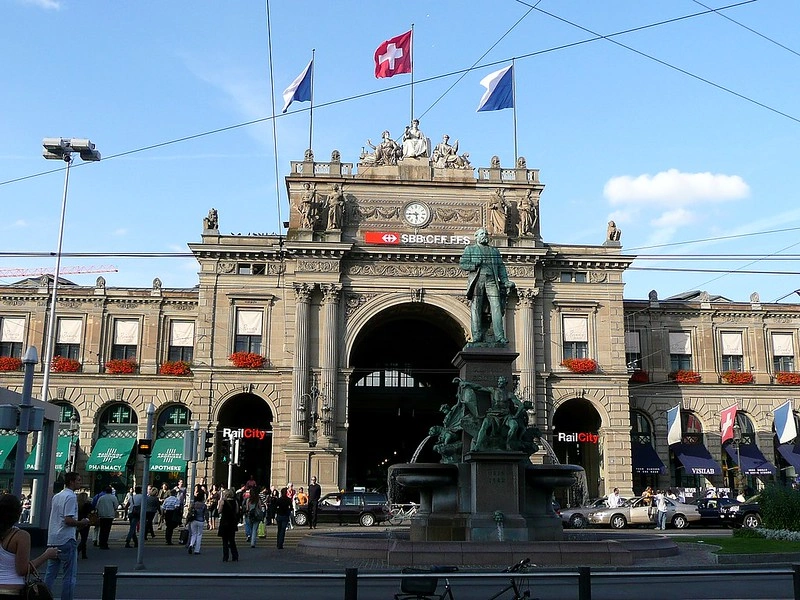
[[425, 588], [402, 512]]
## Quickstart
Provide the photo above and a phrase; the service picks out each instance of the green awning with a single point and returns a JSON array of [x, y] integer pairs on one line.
[[62, 455], [7, 443], [110, 454], [168, 455]]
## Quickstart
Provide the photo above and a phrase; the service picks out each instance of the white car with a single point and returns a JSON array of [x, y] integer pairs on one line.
[[578, 516]]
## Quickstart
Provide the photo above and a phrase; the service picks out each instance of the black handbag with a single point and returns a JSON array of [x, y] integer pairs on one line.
[[183, 536], [35, 589]]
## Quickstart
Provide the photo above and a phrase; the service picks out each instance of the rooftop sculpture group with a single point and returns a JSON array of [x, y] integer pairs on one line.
[[414, 144], [328, 211]]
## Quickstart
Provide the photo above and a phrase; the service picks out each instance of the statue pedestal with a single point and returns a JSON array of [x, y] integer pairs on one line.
[[483, 365]]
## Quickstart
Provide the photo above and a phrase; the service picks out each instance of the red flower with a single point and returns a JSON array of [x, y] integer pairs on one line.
[[737, 377], [179, 367], [61, 364], [685, 376], [9, 363], [246, 360], [580, 365], [787, 378], [121, 366], [639, 376]]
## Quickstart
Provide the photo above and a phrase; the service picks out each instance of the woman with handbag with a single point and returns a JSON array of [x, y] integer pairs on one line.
[[15, 550]]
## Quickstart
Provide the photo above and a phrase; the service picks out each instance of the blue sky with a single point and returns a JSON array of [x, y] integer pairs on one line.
[[677, 135]]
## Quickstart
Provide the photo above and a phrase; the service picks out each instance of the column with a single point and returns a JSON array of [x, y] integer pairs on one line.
[[300, 370], [330, 357], [526, 344]]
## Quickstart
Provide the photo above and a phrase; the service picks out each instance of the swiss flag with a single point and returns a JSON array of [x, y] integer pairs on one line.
[[394, 56], [726, 420]]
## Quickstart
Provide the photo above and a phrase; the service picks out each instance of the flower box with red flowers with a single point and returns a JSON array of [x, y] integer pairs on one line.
[[9, 363], [685, 376], [639, 376], [121, 366], [737, 377], [787, 378], [246, 360], [62, 364], [580, 365], [177, 368]]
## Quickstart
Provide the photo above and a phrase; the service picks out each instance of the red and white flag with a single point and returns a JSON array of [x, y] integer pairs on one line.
[[394, 56], [726, 421]]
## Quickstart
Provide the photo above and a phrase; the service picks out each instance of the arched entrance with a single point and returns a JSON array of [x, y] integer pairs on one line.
[[576, 424], [248, 418], [402, 374]]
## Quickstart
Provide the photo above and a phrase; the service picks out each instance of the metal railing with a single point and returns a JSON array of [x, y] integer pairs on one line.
[[583, 577]]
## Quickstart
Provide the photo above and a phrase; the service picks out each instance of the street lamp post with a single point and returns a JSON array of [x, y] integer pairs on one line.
[[61, 149], [309, 403], [74, 427]]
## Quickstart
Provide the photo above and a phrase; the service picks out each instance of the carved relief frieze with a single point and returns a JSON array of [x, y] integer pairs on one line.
[[551, 275], [461, 216], [318, 266], [401, 270], [519, 271], [276, 268], [366, 212]]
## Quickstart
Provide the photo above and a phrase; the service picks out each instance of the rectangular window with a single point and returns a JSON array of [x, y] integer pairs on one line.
[[566, 277], [126, 339], [633, 351], [576, 337], [243, 269], [249, 327], [68, 338], [181, 341], [783, 352], [12, 336], [680, 350], [580, 277], [732, 354]]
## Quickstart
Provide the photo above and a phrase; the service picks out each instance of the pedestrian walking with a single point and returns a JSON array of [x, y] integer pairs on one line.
[[314, 494], [283, 512], [197, 522], [106, 511], [228, 525], [134, 517], [172, 515]]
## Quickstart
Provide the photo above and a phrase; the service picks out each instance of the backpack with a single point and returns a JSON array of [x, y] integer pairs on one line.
[[256, 512]]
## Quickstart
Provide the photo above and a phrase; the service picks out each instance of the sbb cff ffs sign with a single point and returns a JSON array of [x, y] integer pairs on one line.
[[579, 437]]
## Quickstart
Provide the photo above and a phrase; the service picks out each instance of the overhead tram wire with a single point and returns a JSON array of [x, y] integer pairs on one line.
[[436, 78], [750, 29], [713, 239]]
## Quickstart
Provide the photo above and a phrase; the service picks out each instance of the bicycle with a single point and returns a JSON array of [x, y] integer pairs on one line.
[[424, 588], [400, 512]]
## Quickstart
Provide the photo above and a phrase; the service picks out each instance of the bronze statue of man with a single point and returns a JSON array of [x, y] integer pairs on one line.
[[487, 284]]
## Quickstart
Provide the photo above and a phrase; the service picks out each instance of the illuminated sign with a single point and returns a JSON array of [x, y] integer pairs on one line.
[[581, 437], [247, 433], [393, 238]]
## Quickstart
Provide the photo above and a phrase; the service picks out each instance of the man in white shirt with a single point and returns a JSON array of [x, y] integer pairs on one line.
[[61, 534], [661, 508], [614, 500], [106, 511]]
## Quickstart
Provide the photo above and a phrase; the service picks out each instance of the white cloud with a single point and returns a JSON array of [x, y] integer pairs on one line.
[[121, 231], [47, 4], [674, 218], [673, 188]]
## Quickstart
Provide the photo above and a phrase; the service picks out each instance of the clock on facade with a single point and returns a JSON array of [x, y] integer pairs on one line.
[[417, 214]]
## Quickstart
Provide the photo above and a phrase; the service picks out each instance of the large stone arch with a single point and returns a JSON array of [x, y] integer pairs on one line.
[[268, 393], [597, 398]]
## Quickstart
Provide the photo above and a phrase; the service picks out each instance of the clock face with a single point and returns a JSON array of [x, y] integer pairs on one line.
[[417, 214]]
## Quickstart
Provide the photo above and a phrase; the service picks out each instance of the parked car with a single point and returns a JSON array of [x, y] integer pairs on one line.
[[366, 508], [637, 511], [746, 514], [709, 509], [578, 517]]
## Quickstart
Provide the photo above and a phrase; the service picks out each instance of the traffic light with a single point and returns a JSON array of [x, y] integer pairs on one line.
[[225, 449], [208, 444]]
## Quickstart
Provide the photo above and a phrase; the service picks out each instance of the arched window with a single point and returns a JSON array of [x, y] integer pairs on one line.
[[641, 430], [692, 428], [173, 421], [118, 420]]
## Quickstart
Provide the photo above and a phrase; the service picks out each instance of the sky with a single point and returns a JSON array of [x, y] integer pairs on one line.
[[678, 122]]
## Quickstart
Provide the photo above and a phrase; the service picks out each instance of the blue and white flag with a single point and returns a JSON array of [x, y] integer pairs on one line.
[[499, 92], [785, 427], [300, 88], [674, 431]]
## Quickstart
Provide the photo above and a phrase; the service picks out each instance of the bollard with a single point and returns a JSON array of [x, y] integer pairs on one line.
[[796, 580], [351, 584], [584, 583], [109, 583]]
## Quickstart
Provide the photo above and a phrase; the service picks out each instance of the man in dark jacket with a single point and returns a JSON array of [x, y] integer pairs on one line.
[[314, 493]]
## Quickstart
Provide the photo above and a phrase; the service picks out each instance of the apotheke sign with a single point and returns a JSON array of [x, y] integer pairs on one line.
[[579, 437], [392, 238]]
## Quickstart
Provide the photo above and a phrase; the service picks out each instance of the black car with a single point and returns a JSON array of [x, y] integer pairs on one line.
[[366, 508], [747, 514], [709, 509]]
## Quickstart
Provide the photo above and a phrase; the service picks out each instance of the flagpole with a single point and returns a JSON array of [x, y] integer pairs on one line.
[[412, 74], [514, 107], [311, 110]]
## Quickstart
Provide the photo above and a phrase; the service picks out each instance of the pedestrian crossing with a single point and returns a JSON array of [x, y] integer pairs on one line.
[[212, 540]]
